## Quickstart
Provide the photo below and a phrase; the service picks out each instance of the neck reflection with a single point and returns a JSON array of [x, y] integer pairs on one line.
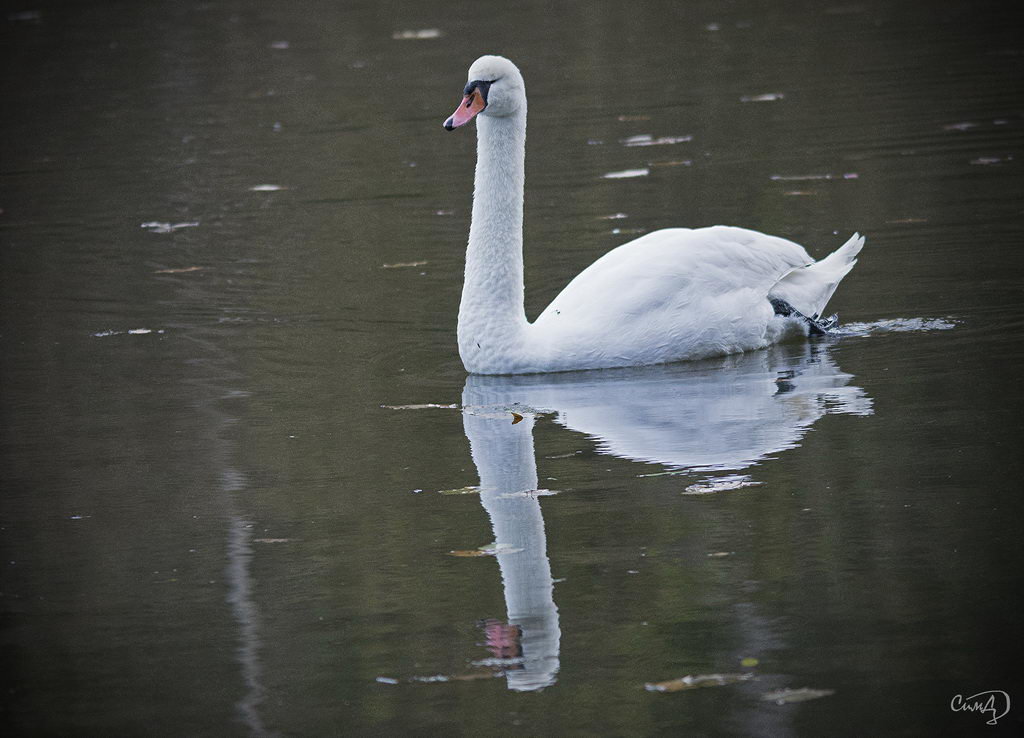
[[503, 453]]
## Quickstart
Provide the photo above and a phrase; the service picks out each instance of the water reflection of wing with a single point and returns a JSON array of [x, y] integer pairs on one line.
[[724, 414], [504, 457]]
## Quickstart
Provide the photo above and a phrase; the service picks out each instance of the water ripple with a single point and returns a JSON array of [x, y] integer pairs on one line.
[[896, 325]]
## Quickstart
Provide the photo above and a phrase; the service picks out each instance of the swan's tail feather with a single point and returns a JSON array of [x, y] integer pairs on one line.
[[809, 288]]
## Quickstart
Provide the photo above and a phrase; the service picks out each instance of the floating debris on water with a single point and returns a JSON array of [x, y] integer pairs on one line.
[[988, 160], [486, 673], [613, 216], [646, 139], [763, 97], [721, 555], [179, 270], [812, 177], [799, 193], [471, 490], [632, 118], [964, 126], [424, 406], [720, 484], [698, 681], [627, 173], [266, 188], [129, 332], [422, 33], [749, 661], [628, 231], [159, 227], [279, 44], [785, 696], [403, 264], [673, 473], [272, 540], [675, 163]]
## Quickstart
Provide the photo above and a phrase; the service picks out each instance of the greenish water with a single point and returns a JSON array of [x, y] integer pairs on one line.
[[214, 523]]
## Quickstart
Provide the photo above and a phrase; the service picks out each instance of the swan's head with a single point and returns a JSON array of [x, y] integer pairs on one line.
[[495, 88]]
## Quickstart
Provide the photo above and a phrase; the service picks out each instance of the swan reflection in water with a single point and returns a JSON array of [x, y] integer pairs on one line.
[[707, 417]]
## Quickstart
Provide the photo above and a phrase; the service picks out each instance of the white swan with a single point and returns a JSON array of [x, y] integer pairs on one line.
[[670, 295]]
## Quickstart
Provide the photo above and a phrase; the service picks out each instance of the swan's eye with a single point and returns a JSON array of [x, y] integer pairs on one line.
[[480, 87]]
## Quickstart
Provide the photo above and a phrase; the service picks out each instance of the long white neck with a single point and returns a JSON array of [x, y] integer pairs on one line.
[[492, 319]]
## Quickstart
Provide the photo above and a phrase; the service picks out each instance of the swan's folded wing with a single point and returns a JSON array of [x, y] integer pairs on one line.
[[672, 268]]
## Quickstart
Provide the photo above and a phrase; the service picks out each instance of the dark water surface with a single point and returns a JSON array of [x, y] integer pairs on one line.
[[212, 525]]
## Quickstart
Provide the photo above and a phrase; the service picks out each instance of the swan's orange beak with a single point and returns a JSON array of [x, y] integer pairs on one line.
[[471, 104]]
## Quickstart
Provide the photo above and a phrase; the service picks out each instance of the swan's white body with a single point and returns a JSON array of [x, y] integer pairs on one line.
[[670, 295]]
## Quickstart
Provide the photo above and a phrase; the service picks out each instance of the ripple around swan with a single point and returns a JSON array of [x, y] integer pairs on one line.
[[896, 325]]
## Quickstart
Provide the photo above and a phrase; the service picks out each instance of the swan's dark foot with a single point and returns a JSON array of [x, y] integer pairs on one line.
[[830, 323], [817, 326]]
